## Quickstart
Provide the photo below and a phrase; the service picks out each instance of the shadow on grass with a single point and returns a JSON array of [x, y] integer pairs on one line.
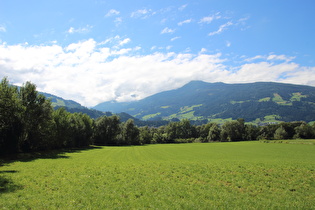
[[51, 154], [6, 184]]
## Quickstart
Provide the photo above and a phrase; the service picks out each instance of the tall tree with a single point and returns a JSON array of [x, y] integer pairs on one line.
[[281, 133], [233, 130], [304, 131], [186, 129], [62, 128], [10, 118], [106, 130], [214, 133], [203, 131], [129, 133], [36, 119], [251, 132], [145, 135], [267, 131]]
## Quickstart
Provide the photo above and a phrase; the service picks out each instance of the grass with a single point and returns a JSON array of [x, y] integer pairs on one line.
[[146, 117], [220, 120], [277, 98], [58, 103], [237, 175], [297, 97], [186, 112], [292, 141], [267, 119], [238, 102], [264, 99]]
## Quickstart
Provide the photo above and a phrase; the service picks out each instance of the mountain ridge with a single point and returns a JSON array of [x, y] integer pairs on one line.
[[198, 100], [75, 107]]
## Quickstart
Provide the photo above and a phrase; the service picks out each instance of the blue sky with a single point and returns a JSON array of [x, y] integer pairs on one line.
[[95, 51]]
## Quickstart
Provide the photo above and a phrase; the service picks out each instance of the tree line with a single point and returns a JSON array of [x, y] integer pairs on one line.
[[29, 123]]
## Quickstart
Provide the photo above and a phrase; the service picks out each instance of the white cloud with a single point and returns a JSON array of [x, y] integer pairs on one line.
[[181, 8], [2, 28], [280, 57], [168, 47], [209, 19], [167, 31], [112, 12], [141, 13], [125, 41], [137, 48], [271, 57], [228, 43], [174, 38], [221, 28], [203, 50], [184, 22], [254, 58], [91, 72], [81, 30], [115, 42], [262, 71], [118, 21]]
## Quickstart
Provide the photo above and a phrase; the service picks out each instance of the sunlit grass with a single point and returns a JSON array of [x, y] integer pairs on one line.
[[292, 141], [242, 175]]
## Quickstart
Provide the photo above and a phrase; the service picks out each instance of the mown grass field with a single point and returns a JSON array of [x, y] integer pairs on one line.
[[238, 175], [292, 141]]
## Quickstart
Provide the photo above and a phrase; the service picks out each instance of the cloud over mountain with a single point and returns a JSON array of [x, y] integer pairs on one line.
[[91, 72]]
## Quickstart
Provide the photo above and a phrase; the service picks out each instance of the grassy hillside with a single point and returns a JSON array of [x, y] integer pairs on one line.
[[72, 107], [242, 175], [199, 100], [60, 102]]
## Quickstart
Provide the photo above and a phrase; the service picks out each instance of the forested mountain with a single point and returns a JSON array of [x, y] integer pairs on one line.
[[197, 100], [74, 107]]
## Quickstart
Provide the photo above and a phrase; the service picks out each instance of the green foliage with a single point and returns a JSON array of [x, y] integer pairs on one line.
[[10, 118], [129, 134], [106, 130], [145, 135], [214, 133], [280, 133], [233, 130], [62, 128], [180, 130], [28, 122], [235, 175], [251, 132], [304, 131], [36, 119]]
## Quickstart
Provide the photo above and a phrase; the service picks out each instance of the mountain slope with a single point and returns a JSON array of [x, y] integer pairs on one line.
[[72, 107], [199, 100]]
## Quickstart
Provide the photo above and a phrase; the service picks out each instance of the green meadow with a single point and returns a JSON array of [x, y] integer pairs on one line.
[[231, 175]]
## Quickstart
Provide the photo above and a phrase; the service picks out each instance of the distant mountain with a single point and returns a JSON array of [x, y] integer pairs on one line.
[[197, 100], [72, 107], [59, 102]]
